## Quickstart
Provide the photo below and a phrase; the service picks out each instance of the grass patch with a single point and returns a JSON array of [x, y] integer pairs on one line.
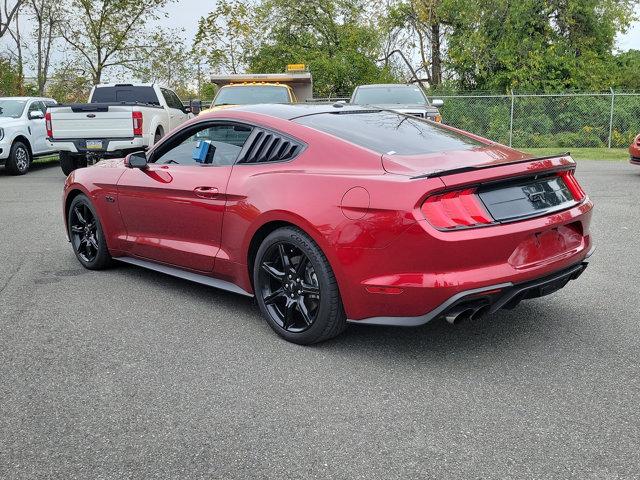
[[47, 159], [611, 154]]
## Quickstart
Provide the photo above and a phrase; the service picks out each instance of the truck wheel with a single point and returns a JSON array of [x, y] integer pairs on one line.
[[19, 159], [70, 162]]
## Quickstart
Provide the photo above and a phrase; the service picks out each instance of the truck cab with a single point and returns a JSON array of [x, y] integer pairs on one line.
[[252, 93], [296, 85]]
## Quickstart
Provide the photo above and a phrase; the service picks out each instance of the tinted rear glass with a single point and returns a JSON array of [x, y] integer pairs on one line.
[[125, 94], [386, 132]]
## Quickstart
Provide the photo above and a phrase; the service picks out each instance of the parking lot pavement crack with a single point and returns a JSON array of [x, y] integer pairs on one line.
[[11, 277]]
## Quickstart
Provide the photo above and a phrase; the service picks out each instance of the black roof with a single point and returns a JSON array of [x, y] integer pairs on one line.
[[295, 110]]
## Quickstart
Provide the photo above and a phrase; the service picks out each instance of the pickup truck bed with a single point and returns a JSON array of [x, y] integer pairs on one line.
[[115, 127]]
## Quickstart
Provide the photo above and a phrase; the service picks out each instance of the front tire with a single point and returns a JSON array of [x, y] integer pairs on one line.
[[19, 159], [86, 235], [70, 162], [296, 288]]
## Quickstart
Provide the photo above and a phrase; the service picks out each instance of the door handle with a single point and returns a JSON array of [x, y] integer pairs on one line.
[[206, 192]]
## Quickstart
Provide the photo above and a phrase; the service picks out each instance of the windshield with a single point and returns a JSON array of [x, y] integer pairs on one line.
[[252, 94], [389, 95], [12, 108], [386, 132]]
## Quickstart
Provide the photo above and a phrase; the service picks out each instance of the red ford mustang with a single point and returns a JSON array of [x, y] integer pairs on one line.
[[634, 150], [336, 214]]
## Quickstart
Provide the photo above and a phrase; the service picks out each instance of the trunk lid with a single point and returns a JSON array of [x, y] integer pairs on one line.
[[425, 164]]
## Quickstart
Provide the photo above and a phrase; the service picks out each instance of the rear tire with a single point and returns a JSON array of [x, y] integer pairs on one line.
[[19, 159], [70, 162], [296, 288], [86, 235]]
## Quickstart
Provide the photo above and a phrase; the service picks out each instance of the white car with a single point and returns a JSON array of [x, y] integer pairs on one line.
[[119, 119], [23, 133]]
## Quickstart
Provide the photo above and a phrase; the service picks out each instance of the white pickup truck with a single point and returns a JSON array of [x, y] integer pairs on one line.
[[119, 119], [22, 132]]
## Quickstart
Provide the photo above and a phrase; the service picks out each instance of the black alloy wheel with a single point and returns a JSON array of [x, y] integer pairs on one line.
[[86, 235], [296, 288], [289, 287], [84, 232]]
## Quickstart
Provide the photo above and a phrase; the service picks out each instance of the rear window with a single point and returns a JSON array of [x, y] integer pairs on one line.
[[125, 94], [388, 132]]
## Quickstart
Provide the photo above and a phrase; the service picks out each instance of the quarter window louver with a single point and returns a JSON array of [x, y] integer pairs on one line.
[[271, 147]]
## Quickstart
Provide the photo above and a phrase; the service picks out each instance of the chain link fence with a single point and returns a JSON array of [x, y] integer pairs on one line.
[[547, 120], [609, 119]]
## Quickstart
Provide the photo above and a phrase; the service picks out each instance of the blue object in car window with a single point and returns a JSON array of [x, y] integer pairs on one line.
[[203, 152]]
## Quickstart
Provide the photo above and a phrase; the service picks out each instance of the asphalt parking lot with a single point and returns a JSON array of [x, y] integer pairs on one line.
[[131, 374]]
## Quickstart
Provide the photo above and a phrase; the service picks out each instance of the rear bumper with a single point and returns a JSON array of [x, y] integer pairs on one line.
[[423, 268], [635, 160], [488, 299], [112, 146]]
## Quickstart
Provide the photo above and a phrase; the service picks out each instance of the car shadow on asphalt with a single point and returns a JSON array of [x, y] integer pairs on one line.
[[532, 322]]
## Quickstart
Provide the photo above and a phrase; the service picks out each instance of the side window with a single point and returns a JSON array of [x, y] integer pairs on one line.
[[218, 144], [37, 107], [172, 99]]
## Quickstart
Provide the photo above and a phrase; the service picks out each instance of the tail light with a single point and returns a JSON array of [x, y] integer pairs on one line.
[[47, 120], [137, 123], [572, 184], [458, 209]]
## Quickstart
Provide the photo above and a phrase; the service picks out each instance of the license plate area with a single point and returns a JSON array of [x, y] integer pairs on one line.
[[94, 144], [526, 198]]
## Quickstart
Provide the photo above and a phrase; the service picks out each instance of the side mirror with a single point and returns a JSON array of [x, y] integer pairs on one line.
[[437, 102], [196, 106], [36, 115], [136, 160]]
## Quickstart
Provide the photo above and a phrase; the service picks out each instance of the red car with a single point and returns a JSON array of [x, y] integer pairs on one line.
[[336, 214], [634, 150]]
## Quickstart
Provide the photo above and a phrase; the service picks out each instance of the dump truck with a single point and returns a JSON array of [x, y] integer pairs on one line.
[[293, 86]]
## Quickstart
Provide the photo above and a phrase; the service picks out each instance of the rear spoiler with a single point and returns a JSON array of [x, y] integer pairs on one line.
[[452, 171]]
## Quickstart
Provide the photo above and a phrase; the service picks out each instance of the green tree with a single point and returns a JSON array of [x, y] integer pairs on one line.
[[110, 33], [626, 74], [170, 63], [47, 17], [533, 44], [69, 86], [226, 36], [8, 11], [9, 78], [332, 37], [418, 27]]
